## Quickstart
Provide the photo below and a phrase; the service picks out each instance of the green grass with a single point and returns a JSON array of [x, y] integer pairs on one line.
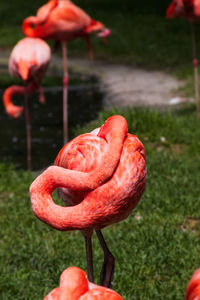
[[156, 248]]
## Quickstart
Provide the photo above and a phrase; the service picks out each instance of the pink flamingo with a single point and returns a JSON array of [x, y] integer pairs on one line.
[[190, 10], [101, 177], [193, 287], [74, 285], [28, 60], [63, 21]]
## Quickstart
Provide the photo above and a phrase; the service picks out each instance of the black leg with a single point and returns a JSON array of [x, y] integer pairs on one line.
[[107, 271], [88, 247]]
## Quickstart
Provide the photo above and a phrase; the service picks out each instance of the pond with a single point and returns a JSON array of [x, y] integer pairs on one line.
[[84, 103]]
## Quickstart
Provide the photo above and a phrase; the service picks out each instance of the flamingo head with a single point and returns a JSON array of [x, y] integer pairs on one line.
[[25, 67], [14, 111], [73, 280], [99, 28]]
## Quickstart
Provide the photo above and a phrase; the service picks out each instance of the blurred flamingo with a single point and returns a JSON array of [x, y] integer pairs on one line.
[[193, 287], [74, 285], [63, 21], [101, 177], [190, 10], [28, 60]]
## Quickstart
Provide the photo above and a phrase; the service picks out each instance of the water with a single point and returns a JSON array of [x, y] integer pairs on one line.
[[84, 103]]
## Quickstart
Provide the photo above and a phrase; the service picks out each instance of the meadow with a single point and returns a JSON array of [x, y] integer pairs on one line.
[[157, 247]]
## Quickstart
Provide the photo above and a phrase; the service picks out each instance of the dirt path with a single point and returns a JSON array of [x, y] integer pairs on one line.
[[127, 86], [122, 85]]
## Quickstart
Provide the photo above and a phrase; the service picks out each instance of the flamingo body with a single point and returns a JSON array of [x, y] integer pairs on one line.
[[193, 287], [101, 174], [29, 60], [61, 20], [74, 285]]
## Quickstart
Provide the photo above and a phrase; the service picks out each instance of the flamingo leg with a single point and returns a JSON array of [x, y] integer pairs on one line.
[[91, 54], [28, 129], [195, 65], [65, 93], [89, 256], [107, 271]]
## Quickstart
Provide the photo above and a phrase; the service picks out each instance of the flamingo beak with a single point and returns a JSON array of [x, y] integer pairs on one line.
[[23, 69], [103, 34]]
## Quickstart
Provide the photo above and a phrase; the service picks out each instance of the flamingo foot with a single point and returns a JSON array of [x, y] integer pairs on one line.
[[107, 271]]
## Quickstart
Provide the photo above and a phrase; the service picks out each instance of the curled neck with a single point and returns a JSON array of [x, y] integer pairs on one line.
[[13, 110], [114, 131], [98, 185]]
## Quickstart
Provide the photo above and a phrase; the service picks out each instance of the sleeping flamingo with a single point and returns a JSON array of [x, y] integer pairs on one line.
[[74, 285], [193, 287], [63, 21], [101, 177], [28, 60], [190, 10]]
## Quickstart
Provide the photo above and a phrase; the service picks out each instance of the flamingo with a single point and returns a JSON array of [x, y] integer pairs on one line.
[[190, 10], [101, 177], [74, 285], [28, 60], [193, 287], [63, 21]]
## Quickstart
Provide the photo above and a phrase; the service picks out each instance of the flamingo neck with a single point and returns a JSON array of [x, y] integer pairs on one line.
[[12, 109], [33, 26]]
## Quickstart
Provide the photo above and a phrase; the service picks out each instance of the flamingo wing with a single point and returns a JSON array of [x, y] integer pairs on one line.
[[69, 18], [45, 10]]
